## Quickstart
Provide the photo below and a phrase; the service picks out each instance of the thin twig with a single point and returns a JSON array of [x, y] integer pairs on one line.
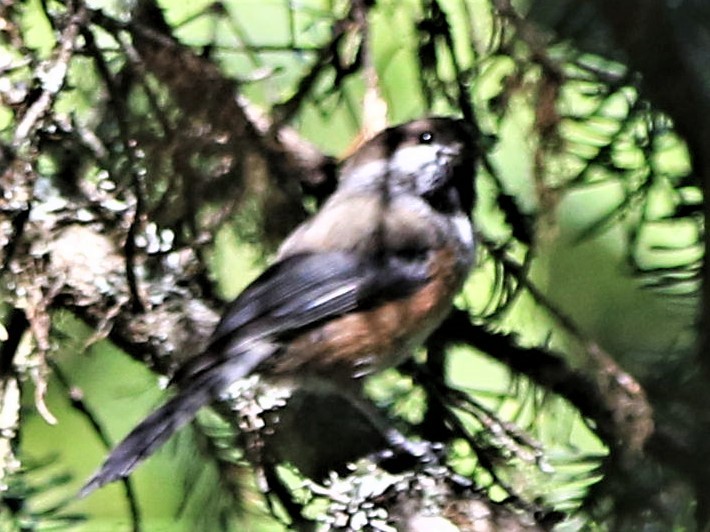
[[284, 112], [53, 80], [117, 101], [76, 397], [633, 416]]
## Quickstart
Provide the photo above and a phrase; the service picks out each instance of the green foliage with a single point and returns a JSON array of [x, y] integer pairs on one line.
[[586, 199]]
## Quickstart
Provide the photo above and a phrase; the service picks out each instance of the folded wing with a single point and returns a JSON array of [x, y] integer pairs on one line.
[[295, 294]]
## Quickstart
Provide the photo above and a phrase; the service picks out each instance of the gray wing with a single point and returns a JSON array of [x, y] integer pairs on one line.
[[304, 289], [293, 295]]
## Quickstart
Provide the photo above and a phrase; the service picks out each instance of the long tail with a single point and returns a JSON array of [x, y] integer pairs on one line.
[[159, 426]]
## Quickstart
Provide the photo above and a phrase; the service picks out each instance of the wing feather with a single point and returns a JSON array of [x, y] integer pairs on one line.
[[295, 294]]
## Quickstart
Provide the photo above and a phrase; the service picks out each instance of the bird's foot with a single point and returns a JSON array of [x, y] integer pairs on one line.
[[406, 454]]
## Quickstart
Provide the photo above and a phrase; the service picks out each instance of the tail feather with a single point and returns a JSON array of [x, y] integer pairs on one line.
[[148, 436], [159, 426]]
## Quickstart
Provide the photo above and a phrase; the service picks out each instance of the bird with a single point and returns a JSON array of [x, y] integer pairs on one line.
[[353, 290]]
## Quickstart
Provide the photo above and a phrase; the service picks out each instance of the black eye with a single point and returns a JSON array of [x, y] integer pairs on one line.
[[426, 138]]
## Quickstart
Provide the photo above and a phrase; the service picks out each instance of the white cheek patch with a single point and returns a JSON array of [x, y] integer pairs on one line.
[[418, 168], [411, 168], [411, 159]]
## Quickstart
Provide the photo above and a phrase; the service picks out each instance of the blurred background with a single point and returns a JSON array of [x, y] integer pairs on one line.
[[153, 155]]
